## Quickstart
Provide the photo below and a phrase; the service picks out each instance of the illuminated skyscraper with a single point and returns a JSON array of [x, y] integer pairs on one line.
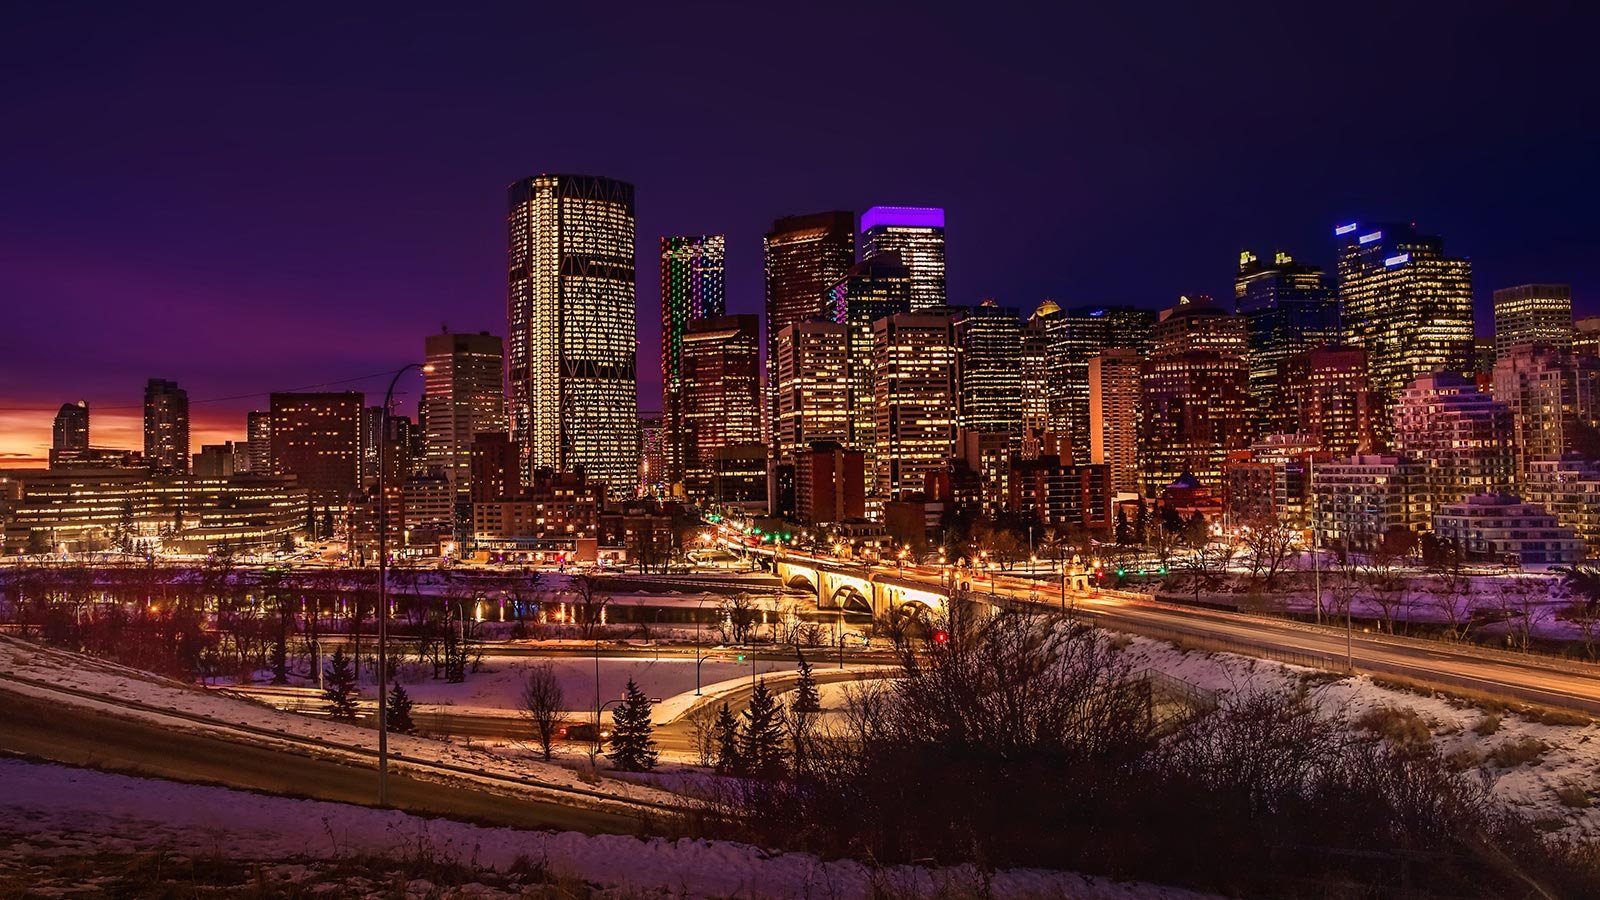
[[1075, 336], [1288, 308], [916, 234], [1586, 336], [813, 388], [990, 371], [464, 397], [166, 426], [1114, 376], [914, 395], [71, 428], [721, 393], [1407, 304], [317, 438], [573, 334], [872, 290], [1195, 394], [804, 256], [693, 287], [1327, 398], [1532, 314], [258, 441]]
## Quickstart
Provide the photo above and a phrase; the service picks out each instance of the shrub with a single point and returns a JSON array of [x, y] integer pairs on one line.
[[1574, 796], [1402, 727], [1463, 759], [1487, 725], [1518, 751]]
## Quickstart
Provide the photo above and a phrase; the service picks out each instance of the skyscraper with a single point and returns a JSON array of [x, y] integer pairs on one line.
[[914, 394], [1327, 398], [871, 290], [1114, 415], [1407, 304], [1554, 400], [71, 428], [258, 441], [803, 257], [166, 426], [1533, 314], [693, 287], [1034, 369], [721, 393], [573, 334], [1586, 336], [813, 388], [1195, 394], [1074, 336], [316, 437], [916, 235], [464, 397], [1288, 308], [990, 372]]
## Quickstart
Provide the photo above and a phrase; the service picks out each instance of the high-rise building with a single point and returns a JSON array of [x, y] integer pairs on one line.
[[1569, 487], [573, 331], [990, 372], [1288, 308], [813, 388], [1114, 387], [1533, 314], [166, 426], [1075, 335], [496, 467], [1407, 304], [1356, 501], [1554, 399], [70, 431], [316, 437], [1586, 336], [914, 394], [1460, 434], [653, 457], [721, 393], [693, 287], [463, 396], [216, 460], [829, 484], [803, 257], [1328, 399], [1035, 370], [1195, 395], [916, 235], [871, 290], [258, 441]]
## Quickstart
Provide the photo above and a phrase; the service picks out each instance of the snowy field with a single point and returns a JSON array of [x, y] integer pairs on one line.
[[1570, 763], [303, 845]]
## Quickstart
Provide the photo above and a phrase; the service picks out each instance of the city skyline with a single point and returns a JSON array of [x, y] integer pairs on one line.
[[331, 280]]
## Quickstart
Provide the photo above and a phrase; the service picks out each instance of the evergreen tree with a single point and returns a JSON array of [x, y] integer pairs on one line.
[[1124, 531], [340, 687], [762, 746], [726, 729], [632, 747], [806, 699], [398, 716]]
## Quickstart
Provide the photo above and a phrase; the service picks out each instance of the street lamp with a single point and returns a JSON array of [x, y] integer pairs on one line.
[[383, 584]]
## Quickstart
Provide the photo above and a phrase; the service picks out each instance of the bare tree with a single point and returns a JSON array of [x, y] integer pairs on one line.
[[1269, 545], [542, 703], [1387, 587], [739, 614], [589, 603], [1582, 587], [1451, 597], [1520, 605]]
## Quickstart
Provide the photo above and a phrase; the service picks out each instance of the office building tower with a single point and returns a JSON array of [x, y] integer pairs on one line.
[[70, 432], [813, 388], [406, 452], [989, 374], [829, 484], [573, 331], [166, 426], [1533, 314], [1074, 336], [496, 467], [316, 437], [1460, 434], [873, 289], [1114, 388], [1288, 308], [1586, 336], [1554, 400], [914, 394], [653, 457], [1034, 370], [721, 393], [693, 287], [258, 442], [1407, 304], [1328, 400], [463, 396], [1195, 395], [217, 460], [915, 234], [802, 257]]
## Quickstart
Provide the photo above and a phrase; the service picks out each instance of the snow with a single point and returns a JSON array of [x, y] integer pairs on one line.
[[1572, 760], [84, 812]]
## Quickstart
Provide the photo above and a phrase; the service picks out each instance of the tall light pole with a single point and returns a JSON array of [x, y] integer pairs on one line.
[[383, 584]]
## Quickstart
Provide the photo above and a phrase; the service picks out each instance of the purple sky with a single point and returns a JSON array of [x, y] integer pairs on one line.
[[248, 199]]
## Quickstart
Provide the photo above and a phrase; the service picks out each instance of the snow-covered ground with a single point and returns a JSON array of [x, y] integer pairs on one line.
[[1572, 760], [81, 815]]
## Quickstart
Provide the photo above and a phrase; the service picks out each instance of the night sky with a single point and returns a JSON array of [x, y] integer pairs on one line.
[[268, 197]]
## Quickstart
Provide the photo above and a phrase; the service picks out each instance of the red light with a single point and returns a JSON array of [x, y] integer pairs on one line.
[[941, 637]]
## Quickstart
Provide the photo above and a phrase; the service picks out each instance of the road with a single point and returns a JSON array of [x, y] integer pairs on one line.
[[77, 735]]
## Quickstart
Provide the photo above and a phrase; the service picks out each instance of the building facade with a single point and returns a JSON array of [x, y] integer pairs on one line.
[[1460, 434], [915, 235], [1503, 528], [1533, 314], [1328, 398], [1195, 395], [463, 396], [166, 426], [316, 437], [1356, 501], [693, 287], [989, 375], [1114, 390], [802, 256], [914, 396], [813, 390], [1288, 308], [1075, 336], [721, 394]]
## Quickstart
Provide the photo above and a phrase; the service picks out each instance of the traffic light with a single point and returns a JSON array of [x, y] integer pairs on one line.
[[941, 637]]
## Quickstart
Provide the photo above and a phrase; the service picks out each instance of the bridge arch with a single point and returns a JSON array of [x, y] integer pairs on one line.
[[847, 596]]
